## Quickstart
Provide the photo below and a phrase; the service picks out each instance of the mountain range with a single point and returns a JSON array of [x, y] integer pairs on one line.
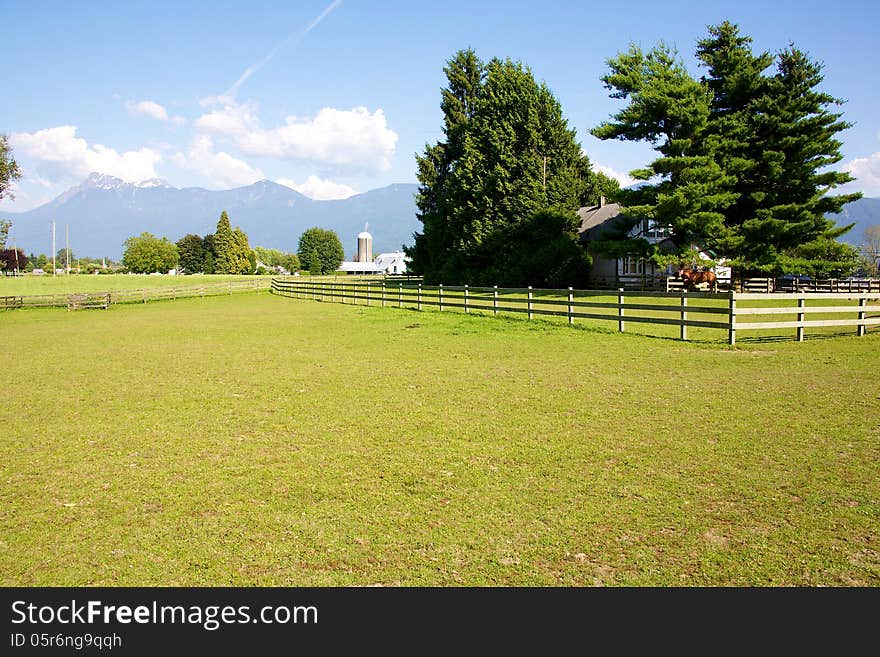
[[103, 211]]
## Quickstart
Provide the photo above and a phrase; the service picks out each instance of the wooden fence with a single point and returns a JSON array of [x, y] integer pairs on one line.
[[731, 312], [74, 301], [10, 303]]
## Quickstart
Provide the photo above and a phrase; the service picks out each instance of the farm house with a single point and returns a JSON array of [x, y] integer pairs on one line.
[[600, 220]]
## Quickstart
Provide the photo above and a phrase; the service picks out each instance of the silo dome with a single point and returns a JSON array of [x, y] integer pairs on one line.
[[365, 247]]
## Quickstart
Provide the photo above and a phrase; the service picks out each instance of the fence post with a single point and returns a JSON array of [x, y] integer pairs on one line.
[[144, 293], [620, 312], [861, 328], [466, 311], [495, 300], [441, 297], [530, 301], [684, 315], [368, 293], [731, 319], [400, 295], [420, 297], [570, 308], [800, 329]]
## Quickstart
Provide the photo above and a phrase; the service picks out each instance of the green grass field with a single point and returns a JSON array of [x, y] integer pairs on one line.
[[258, 440], [34, 285]]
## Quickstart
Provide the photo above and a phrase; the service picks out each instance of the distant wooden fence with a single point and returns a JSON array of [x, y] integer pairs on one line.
[[10, 303], [79, 300], [754, 284], [683, 309], [87, 301]]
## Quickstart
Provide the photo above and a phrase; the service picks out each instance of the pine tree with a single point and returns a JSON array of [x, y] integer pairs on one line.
[[669, 109], [224, 247]]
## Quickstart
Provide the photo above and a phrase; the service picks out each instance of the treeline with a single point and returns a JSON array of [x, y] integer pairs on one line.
[[228, 251]]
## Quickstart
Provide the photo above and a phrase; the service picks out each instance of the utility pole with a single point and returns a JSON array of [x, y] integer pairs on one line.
[[67, 247], [53, 249], [15, 251]]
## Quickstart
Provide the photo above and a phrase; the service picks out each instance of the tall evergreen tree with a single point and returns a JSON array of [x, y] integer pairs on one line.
[[509, 176], [670, 110], [224, 246], [433, 252], [245, 260]]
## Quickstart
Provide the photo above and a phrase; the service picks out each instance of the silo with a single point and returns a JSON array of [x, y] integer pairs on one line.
[[365, 247]]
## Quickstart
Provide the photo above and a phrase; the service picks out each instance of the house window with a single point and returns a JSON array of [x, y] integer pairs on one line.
[[633, 265], [655, 230]]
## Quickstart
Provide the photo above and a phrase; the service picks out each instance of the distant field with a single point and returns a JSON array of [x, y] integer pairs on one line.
[[23, 285], [258, 440]]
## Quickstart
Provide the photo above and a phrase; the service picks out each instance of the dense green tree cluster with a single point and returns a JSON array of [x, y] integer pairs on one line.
[[192, 250], [320, 251], [226, 251], [147, 253], [499, 195], [744, 153]]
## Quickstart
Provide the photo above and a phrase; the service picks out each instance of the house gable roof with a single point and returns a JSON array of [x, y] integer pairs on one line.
[[596, 220]]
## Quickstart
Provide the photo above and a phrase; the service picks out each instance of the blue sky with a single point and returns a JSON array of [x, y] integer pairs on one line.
[[336, 97]]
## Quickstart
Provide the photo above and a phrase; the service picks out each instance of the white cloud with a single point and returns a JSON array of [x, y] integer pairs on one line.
[[152, 109], [220, 168], [318, 189], [351, 140], [866, 171], [624, 179], [147, 108], [61, 153]]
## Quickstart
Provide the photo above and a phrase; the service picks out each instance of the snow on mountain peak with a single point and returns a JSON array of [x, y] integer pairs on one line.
[[153, 182], [103, 181]]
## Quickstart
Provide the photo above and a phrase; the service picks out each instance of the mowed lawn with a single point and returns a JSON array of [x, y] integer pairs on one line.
[[259, 440], [47, 284]]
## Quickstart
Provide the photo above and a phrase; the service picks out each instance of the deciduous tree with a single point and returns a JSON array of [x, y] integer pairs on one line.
[[192, 253], [146, 254], [326, 245]]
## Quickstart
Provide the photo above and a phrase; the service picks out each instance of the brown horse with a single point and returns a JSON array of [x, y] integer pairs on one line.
[[692, 278]]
